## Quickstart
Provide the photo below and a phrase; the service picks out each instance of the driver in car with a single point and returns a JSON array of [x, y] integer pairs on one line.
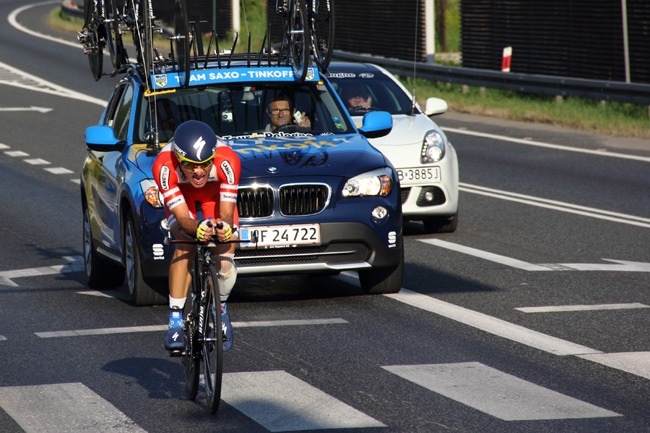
[[282, 113]]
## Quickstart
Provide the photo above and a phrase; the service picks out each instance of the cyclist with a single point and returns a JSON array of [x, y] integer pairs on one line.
[[195, 167], [282, 112]]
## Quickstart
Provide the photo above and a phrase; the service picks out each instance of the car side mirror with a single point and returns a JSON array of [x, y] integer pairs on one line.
[[376, 124], [101, 138], [435, 106]]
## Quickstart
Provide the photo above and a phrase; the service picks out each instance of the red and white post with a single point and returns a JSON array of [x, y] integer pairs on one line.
[[507, 56]]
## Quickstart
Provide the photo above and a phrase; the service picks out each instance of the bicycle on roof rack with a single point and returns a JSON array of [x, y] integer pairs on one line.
[[105, 23]]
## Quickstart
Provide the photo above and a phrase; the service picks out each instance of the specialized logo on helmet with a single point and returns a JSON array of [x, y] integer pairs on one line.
[[228, 171], [198, 145]]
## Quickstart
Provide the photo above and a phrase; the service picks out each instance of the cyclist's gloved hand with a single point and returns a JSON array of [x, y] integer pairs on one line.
[[201, 230], [227, 231]]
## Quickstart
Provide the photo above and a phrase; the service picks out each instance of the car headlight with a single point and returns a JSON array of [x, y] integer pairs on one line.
[[433, 147], [151, 193], [374, 183]]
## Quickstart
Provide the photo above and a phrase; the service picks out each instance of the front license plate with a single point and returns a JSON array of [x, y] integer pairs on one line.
[[418, 175], [281, 236]]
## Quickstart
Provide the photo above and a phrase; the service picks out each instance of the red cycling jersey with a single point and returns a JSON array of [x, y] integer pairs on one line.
[[222, 183]]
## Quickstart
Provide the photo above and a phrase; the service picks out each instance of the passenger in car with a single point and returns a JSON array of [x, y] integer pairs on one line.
[[357, 100], [282, 113]]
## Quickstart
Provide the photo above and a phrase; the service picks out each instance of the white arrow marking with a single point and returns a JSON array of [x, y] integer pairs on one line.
[[32, 108], [617, 266], [75, 265]]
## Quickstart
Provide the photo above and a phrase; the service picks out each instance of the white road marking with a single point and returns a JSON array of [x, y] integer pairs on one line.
[[3, 146], [157, 328], [37, 161], [59, 170], [549, 145], [596, 307], [492, 325], [301, 322], [75, 265], [496, 393], [280, 402], [616, 266], [63, 407], [556, 205], [14, 77], [16, 153], [39, 109], [637, 363]]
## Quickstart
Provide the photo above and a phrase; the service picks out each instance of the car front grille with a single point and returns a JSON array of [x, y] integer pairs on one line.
[[255, 202], [303, 199], [294, 199]]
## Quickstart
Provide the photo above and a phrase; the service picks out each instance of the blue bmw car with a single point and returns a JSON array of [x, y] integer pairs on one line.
[[319, 199]]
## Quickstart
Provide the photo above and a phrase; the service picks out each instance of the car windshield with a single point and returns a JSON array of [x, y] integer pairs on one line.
[[241, 110], [384, 93]]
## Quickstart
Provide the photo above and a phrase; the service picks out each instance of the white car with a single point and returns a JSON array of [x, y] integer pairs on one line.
[[425, 160]]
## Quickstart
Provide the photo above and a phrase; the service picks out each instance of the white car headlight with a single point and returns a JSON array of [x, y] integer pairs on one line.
[[374, 183], [433, 147]]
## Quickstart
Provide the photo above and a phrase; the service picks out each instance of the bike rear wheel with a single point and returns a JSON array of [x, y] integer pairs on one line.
[[93, 31], [191, 360], [321, 16], [212, 342], [297, 38]]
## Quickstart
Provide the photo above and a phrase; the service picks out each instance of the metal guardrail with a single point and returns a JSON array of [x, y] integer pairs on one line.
[[599, 90], [527, 83]]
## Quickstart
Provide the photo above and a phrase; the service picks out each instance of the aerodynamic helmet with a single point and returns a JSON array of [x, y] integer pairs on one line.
[[194, 143]]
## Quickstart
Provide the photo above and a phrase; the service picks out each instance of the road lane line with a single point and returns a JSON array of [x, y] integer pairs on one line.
[[556, 205], [497, 393], [596, 307], [497, 258], [280, 402], [63, 407], [492, 325], [637, 363], [549, 145], [156, 328]]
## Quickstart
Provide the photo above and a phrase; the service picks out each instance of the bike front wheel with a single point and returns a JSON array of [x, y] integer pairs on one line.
[[113, 35], [191, 360], [212, 342], [181, 42]]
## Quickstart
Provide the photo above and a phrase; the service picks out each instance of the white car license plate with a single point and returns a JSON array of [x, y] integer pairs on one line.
[[281, 236], [418, 175]]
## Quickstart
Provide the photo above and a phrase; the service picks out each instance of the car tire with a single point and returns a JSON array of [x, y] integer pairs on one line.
[[100, 271], [140, 291], [441, 224], [377, 281]]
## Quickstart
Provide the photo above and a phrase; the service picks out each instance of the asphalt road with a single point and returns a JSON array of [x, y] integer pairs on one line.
[[532, 317]]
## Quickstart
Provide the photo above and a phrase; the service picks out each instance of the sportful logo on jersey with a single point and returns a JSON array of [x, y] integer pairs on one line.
[[232, 75]]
